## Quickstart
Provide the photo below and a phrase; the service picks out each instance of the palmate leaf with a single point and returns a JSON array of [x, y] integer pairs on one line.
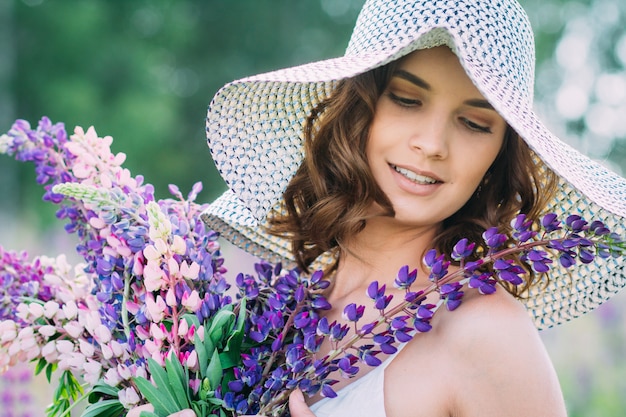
[[67, 392], [161, 396], [163, 406]]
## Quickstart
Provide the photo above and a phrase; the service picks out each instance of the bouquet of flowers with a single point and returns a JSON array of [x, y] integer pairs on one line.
[[149, 317]]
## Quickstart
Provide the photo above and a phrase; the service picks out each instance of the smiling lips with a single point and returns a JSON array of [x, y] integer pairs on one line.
[[416, 178]]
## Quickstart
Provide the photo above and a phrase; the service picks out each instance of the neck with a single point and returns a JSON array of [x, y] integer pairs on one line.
[[378, 252]]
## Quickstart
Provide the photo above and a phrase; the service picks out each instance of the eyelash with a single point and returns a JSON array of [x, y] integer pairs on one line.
[[475, 126], [407, 102], [402, 101]]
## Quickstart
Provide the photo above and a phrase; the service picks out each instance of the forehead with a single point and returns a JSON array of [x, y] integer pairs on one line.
[[437, 68]]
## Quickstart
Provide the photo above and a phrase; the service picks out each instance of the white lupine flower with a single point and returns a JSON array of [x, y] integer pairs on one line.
[[170, 297], [183, 328], [155, 308], [32, 352], [151, 253], [26, 333], [158, 357], [190, 271], [14, 348], [128, 397], [117, 348], [22, 311], [112, 377], [5, 143], [140, 371], [50, 309], [173, 267], [152, 346], [86, 348], [160, 246], [77, 360], [107, 352], [35, 310], [124, 371], [74, 329], [192, 360], [8, 331], [92, 371], [160, 225], [47, 330], [70, 309], [192, 300], [153, 276], [156, 331], [178, 245], [72, 360], [65, 347], [49, 351]]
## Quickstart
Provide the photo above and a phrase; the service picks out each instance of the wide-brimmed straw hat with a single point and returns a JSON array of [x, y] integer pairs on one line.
[[255, 125]]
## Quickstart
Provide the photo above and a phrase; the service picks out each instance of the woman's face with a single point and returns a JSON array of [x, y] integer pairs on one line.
[[433, 137]]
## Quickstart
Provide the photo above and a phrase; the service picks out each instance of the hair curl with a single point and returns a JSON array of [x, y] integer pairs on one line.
[[328, 199]]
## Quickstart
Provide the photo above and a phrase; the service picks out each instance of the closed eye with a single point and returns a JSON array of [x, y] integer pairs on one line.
[[475, 126], [404, 101]]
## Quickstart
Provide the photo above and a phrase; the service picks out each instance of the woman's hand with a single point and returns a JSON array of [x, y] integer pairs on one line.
[[136, 412], [297, 406]]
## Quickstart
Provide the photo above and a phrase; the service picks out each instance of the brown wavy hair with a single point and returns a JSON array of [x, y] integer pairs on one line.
[[328, 199]]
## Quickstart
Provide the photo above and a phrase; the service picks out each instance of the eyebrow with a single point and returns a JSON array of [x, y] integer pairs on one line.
[[414, 79]]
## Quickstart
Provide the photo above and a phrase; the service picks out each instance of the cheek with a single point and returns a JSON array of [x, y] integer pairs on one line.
[[476, 163]]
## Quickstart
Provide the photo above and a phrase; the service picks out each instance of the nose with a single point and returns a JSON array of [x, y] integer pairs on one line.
[[431, 136]]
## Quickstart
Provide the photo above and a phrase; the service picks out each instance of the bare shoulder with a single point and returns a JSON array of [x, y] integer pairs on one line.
[[503, 367], [484, 359]]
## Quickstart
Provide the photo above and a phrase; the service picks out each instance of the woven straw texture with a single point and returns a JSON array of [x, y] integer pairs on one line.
[[254, 130]]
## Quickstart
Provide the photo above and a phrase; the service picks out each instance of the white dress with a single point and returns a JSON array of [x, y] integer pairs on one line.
[[364, 397]]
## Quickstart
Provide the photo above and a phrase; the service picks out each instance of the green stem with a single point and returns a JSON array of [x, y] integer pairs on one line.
[[75, 403], [286, 329], [125, 299]]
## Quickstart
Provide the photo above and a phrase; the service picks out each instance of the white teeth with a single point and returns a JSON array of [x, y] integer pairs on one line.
[[420, 179]]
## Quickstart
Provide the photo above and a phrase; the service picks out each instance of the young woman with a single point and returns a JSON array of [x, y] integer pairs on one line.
[[422, 134]]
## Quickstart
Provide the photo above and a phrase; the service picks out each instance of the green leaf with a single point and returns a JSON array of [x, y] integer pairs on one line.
[[148, 414], [49, 370], [102, 389], [214, 371], [231, 355], [222, 319], [104, 408], [159, 375], [192, 319], [41, 364], [177, 380], [162, 404], [199, 408], [203, 357]]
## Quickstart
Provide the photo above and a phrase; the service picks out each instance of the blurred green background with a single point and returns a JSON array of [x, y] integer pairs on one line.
[[144, 71]]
